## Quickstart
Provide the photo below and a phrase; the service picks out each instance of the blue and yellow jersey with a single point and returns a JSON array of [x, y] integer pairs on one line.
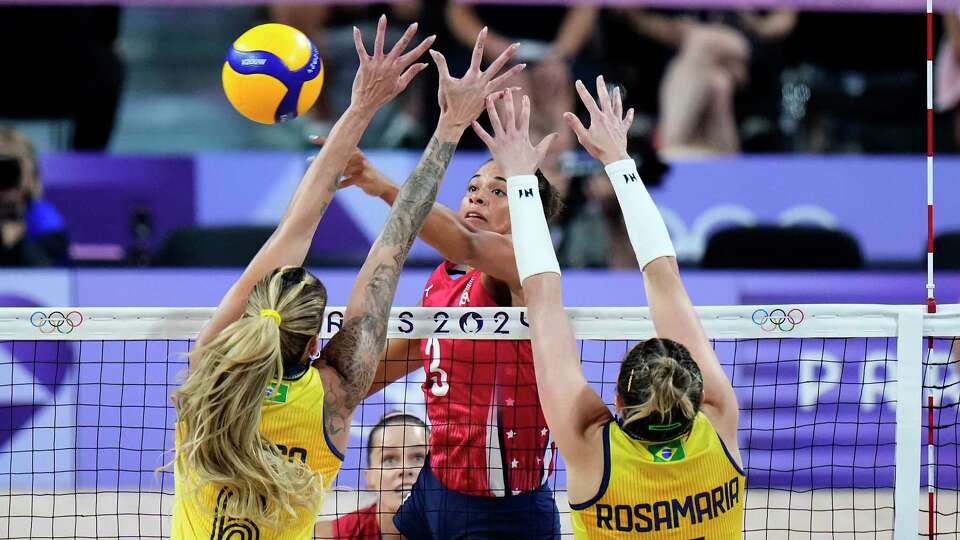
[[293, 420], [682, 489]]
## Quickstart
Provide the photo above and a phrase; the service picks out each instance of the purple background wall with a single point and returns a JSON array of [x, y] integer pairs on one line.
[[815, 413], [881, 200]]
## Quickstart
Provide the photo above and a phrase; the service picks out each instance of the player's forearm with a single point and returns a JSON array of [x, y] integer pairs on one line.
[[442, 229], [355, 352], [570, 405], [412, 205], [416, 198], [401, 358], [319, 183], [670, 307], [675, 318], [549, 329], [576, 28]]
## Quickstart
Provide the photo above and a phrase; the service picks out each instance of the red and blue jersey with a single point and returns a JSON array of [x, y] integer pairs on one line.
[[488, 434]]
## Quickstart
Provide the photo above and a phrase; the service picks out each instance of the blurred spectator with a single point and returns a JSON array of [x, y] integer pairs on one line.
[[396, 451], [718, 54], [591, 229], [551, 40], [593, 232], [848, 91], [947, 78], [65, 66], [33, 232], [330, 26]]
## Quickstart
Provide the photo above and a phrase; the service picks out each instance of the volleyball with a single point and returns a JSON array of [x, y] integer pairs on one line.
[[272, 73]]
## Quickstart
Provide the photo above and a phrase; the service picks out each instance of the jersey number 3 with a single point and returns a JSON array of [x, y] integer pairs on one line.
[[437, 377]]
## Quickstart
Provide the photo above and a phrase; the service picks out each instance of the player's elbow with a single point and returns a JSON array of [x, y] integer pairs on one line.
[[468, 250]]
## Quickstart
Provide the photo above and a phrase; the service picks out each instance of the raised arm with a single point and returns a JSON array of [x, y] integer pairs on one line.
[[670, 307], [376, 83], [401, 358], [572, 408], [354, 353], [455, 240]]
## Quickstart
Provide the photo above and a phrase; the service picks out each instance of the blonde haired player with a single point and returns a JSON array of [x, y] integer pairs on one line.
[[262, 422], [669, 467]]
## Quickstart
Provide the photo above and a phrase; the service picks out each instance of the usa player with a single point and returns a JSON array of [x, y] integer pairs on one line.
[[669, 467], [490, 449]]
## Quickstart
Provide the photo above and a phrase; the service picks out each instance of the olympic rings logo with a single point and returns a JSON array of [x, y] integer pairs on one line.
[[56, 321], [777, 319]]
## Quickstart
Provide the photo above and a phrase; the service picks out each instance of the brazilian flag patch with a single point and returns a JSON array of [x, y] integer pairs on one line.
[[667, 452], [277, 394]]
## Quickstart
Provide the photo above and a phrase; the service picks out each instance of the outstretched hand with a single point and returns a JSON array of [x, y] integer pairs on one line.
[[510, 143], [461, 100], [384, 75], [606, 138]]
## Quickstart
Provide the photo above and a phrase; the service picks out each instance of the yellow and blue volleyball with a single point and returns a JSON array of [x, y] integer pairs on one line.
[[273, 73]]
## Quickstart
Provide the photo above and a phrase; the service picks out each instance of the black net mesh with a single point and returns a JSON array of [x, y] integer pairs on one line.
[[84, 425]]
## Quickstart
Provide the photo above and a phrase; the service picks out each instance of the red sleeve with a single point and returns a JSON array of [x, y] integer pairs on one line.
[[359, 525]]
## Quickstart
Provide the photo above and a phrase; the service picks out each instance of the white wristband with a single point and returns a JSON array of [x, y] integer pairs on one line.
[[645, 226], [532, 245]]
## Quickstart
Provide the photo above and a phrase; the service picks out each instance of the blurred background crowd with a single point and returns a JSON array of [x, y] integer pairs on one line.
[[707, 86]]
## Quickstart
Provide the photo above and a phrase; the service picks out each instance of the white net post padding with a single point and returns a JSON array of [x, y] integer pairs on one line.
[[909, 382], [743, 326]]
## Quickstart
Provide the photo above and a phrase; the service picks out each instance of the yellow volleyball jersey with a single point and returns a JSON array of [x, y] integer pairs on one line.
[[689, 488], [293, 420]]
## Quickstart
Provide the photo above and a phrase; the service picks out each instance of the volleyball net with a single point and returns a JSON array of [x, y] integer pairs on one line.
[[848, 422]]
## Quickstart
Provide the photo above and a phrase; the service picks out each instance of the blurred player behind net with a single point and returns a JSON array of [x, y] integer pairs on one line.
[[396, 451], [668, 464], [491, 453]]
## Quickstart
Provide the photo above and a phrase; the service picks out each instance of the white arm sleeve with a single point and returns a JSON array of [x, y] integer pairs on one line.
[[645, 227], [532, 245]]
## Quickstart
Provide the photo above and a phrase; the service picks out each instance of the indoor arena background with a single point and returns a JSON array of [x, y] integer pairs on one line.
[[163, 192]]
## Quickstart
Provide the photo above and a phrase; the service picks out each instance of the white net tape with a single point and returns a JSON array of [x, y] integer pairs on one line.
[[720, 322]]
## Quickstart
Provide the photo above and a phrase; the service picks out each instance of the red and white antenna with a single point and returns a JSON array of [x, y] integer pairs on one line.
[[931, 299]]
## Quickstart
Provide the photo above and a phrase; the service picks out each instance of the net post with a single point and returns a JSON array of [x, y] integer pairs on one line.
[[908, 431]]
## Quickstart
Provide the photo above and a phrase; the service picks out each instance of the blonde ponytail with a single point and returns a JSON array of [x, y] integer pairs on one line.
[[219, 406], [660, 387], [667, 391]]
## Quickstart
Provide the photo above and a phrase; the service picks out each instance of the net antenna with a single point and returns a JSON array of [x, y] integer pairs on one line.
[[931, 298]]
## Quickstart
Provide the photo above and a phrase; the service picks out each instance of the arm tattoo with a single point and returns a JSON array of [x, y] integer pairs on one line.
[[357, 348]]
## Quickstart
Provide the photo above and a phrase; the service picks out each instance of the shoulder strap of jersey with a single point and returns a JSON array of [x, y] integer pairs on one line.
[[605, 479]]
